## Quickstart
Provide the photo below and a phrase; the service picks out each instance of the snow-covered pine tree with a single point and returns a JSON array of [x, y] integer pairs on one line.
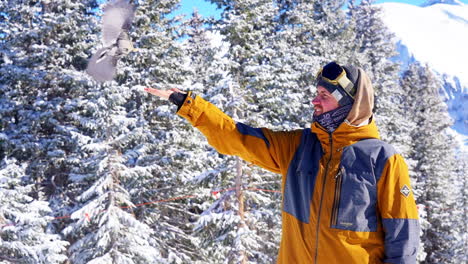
[[54, 96], [208, 74], [332, 34], [371, 37], [320, 27], [103, 230], [460, 208], [161, 151], [39, 79], [207, 64], [119, 117], [38, 76], [230, 228], [373, 53], [294, 37], [276, 76], [203, 52], [433, 152], [310, 34], [24, 221]]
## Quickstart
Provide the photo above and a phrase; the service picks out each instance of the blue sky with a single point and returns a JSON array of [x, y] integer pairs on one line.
[[205, 8]]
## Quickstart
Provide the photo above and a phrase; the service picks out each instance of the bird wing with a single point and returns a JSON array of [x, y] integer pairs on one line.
[[117, 17], [102, 66]]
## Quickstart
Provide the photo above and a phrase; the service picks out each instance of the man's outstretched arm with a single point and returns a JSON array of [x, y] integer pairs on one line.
[[270, 150]]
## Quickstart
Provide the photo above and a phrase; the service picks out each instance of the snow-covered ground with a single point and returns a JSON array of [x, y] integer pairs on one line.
[[436, 35]]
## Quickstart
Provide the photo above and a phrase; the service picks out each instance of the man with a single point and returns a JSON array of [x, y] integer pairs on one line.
[[346, 194]]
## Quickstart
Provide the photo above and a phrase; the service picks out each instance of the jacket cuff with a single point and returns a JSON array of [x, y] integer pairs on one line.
[[192, 107], [177, 98]]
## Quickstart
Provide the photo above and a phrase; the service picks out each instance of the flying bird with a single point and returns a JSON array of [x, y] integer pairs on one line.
[[116, 24]]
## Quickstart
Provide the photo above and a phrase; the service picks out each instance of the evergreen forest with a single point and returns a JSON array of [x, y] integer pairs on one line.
[[96, 172]]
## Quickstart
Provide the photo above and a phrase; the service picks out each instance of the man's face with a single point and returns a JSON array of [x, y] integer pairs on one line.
[[324, 101]]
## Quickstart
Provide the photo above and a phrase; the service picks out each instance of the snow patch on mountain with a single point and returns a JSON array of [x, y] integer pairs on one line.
[[436, 34]]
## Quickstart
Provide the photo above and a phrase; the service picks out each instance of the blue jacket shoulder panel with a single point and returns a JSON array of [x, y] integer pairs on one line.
[[256, 132], [368, 155], [301, 175], [361, 167]]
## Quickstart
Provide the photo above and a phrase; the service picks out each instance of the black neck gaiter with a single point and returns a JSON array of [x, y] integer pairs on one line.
[[331, 120]]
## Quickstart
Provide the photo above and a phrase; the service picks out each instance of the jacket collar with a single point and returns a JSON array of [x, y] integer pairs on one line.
[[345, 134]]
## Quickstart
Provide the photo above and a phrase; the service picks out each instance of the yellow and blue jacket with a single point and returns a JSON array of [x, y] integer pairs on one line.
[[346, 195]]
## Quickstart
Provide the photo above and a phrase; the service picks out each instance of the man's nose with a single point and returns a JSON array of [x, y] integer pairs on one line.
[[315, 101]]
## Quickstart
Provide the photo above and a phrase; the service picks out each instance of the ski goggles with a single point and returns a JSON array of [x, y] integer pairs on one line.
[[334, 74]]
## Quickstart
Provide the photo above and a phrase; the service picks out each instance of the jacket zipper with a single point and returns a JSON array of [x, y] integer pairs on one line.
[[321, 198], [336, 201]]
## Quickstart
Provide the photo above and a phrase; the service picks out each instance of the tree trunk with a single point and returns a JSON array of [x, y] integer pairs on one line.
[[240, 200]]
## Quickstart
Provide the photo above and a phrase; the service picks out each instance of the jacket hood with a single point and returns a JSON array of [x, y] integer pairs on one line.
[[363, 101]]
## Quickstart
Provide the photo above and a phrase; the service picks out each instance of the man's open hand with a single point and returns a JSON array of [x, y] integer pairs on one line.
[[164, 94]]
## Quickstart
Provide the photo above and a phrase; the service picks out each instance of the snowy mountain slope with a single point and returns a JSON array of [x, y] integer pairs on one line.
[[433, 2], [436, 34]]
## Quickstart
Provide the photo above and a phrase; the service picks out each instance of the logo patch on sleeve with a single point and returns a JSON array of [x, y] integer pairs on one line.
[[405, 190]]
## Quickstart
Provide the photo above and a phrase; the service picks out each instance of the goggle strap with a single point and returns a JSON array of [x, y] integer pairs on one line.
[[347, 85], [319, 73], [341, 80]]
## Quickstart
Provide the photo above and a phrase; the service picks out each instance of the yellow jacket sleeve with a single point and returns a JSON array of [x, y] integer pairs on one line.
[[261, 146], [398, 212]]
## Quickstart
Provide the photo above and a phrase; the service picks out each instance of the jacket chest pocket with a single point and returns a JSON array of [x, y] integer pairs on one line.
[[355, 201]]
